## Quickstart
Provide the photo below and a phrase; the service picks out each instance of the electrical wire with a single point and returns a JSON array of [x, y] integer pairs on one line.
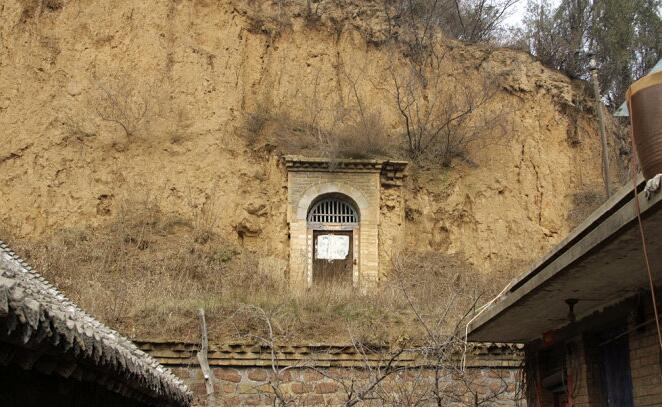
[[466, 327], [622, 334], [644, 244]]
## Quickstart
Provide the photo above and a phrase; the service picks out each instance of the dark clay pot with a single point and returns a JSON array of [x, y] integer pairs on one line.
[[645, 105]]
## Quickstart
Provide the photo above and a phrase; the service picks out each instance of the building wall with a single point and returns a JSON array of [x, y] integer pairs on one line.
[[576, 356], [645, 362], [584, 363], [592, 386], [375, 187], [391, 227], [362, 187], [583, 358], [254, 386]]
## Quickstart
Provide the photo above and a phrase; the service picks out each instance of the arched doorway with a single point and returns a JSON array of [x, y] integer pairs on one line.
[[358, 183], [333, 221]]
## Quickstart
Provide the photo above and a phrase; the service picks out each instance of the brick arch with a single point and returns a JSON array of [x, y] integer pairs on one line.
[[315, 191]]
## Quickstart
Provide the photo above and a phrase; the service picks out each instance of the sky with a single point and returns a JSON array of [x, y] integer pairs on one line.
[[518, 10], [516, 14]]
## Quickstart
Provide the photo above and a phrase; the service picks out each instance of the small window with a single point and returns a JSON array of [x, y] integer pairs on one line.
[[333, 210]]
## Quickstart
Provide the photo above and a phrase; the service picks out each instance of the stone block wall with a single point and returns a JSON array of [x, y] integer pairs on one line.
[[328, 375], [645, 363], [258, 386], [391, 227], [303, 189], [363, 182], [584, 352]]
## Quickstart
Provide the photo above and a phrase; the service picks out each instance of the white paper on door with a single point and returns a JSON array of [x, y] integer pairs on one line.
[[332, 247]]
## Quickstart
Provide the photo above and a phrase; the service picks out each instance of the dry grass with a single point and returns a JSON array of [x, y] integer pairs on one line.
[[362, 138], [351, 137], [147, 272]]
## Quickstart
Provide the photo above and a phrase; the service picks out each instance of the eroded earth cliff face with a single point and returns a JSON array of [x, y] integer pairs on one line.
[[189, 75]]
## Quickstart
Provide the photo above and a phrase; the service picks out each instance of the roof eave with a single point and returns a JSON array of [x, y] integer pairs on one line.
[[604, 224]]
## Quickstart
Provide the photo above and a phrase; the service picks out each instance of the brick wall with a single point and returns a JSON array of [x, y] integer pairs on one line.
[[255, 386], [645, 360], [583, 362], [391, 226], [362, 187], [583, 359], [303, 188], [380, 226]]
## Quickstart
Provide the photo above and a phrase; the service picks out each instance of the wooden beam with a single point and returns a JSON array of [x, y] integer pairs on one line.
[[204, 363]]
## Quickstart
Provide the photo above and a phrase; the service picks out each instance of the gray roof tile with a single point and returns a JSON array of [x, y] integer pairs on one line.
[[33, 311]]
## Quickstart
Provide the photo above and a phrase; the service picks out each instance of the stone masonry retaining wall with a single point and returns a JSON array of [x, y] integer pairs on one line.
[[332, 375], [362, 181], [304, 387]]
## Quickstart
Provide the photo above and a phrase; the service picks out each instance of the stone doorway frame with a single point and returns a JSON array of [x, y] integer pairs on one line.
[[359, 180], [311, 228]]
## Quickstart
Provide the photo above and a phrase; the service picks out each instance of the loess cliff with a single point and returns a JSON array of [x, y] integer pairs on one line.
[[188, 106]]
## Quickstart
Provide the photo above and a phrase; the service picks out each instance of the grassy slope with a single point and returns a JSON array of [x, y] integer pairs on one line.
[[147, 273]]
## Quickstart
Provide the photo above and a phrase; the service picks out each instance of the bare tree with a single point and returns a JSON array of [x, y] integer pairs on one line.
[[356, 389], [440, 118], [467, 20], [428, 372], [123, 104], [479, 20], [444, 345]]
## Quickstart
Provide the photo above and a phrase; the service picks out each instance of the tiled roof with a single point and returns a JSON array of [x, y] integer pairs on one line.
[[175, 353], [39, 323]]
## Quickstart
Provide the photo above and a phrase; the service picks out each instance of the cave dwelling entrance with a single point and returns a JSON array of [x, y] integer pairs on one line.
[[333, 223]]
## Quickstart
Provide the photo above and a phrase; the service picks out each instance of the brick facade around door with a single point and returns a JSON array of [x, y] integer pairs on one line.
[[361, 183]]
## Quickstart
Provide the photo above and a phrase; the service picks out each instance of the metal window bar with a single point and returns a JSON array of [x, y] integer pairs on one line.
[[333, 210]]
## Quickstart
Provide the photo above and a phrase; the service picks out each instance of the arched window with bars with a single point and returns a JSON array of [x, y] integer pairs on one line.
[[333, 210], [333, 224]]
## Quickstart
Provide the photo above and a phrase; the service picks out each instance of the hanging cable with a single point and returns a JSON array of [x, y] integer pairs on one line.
[[466, 327], [644, 244]]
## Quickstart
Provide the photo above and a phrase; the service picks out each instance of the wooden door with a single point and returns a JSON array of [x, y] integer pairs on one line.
[[337, 272]]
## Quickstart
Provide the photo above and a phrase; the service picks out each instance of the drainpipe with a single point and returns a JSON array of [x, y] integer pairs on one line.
[[603, 136]]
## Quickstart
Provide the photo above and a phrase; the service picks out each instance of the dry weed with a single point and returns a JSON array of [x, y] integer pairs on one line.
[[147, 272], [363, 137], [121, 103]]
